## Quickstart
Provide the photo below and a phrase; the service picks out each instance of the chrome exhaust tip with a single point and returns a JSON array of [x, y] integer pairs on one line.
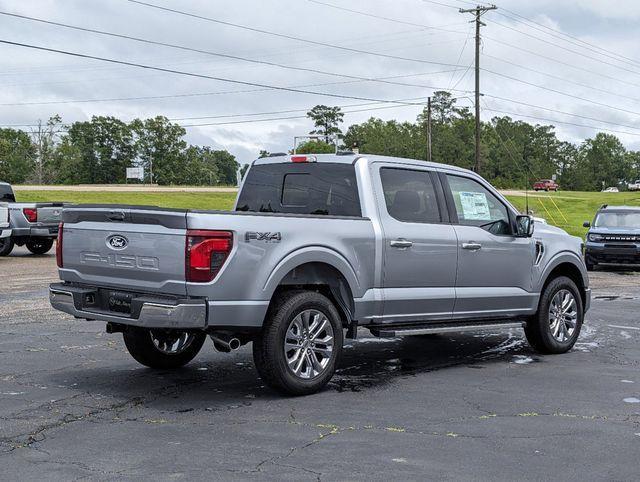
[[225, 343]]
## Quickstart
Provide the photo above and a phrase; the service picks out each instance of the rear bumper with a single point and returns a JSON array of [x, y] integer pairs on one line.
[[151, 313], [48, 231]]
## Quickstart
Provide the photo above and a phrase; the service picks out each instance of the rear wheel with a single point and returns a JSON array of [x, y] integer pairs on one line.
[[158, 348], [556, 326], [6, 246], [39, 246], [300, 344]]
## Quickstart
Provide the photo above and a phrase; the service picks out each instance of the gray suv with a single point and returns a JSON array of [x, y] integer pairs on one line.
[[319, 245]]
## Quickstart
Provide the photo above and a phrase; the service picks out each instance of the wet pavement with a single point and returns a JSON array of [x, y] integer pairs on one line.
[[75, 405]]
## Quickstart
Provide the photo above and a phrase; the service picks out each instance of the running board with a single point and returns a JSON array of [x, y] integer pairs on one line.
[[391, 332]]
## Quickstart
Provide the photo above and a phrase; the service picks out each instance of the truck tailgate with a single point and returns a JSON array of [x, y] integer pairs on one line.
[[50, 213], [4, 215], [139, 249]]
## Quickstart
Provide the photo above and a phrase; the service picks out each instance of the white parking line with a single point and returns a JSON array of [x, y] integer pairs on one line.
[[625, 327]]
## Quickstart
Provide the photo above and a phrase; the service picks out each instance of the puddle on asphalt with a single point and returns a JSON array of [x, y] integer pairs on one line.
[[524, 360]]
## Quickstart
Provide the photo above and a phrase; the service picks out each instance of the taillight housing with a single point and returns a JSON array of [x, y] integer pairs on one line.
[[205, 254], [299, 159], [59, 246], [31, 214]]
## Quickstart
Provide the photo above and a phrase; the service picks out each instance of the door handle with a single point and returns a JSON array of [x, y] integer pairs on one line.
[[401, 243], [473, 246]]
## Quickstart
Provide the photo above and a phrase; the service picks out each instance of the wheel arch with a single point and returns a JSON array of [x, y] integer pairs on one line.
[[323, 270], [572, 267]]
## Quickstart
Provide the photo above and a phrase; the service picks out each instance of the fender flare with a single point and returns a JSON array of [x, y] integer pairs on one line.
[[312, 254], [559, 258]]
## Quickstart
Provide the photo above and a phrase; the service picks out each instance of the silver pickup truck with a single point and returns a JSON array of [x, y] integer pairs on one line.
[[5, 232], [317, 246], [34, 225]]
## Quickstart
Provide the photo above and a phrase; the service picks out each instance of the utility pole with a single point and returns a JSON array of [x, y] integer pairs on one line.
[[477, 13], [429, 129]]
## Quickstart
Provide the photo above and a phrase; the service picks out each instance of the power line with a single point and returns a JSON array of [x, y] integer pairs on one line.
[[560, 111], [388, 19], [202, 94], [579, 42], [287, 36], [557, 77], [208, 52], [561, 122], [567, 94], [192, 74], [582, 69], [563, 48]]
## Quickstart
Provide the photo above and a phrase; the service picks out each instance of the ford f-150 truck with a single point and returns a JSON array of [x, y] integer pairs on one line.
[[34, 225], [317, 246]]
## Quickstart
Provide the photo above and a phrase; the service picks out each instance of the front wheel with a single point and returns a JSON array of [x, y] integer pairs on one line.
[[39, 246], [158, 348], [300, 344], [556, 326], [6, 246]]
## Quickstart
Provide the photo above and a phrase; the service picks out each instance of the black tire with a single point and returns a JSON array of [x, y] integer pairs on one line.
[[590, 266], [39, 246], [6, 246], [141, 347], [538, 328], [268, 348]]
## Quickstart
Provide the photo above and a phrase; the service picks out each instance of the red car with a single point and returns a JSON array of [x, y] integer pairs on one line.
[[545, 185]]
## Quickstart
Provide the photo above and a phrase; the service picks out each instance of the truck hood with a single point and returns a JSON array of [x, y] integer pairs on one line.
[[606, 230]]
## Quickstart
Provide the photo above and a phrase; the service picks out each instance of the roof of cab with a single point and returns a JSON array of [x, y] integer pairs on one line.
[[608, 207], [350, 158]]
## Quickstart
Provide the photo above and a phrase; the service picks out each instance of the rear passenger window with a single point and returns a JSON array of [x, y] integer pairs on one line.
[[320, 188], [410, 196]]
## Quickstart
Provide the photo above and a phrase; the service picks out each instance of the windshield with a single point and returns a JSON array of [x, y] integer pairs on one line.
[[618, 220], [301, 188]]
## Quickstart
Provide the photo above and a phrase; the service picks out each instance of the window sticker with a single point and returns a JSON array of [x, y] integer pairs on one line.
[[475, 206]]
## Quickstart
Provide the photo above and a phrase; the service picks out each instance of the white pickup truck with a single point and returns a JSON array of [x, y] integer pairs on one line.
[[320, 245], [634, 186]]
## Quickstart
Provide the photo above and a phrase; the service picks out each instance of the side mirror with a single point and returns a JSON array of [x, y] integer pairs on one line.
[[586, 224], [524, 226]]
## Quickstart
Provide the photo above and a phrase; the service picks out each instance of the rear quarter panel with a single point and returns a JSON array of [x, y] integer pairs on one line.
[[255, 267]]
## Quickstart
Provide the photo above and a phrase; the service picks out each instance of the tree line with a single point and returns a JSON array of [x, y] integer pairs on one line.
[[98, 151], [514, 153]]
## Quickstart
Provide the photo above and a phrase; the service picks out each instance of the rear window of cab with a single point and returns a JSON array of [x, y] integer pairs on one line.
[[324, 188]]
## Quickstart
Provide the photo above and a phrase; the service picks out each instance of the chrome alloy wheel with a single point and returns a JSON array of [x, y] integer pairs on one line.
[[308, 344], [563, 315], [171, 342]]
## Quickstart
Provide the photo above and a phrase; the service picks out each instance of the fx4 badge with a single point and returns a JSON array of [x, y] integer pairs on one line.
[[266, 237]]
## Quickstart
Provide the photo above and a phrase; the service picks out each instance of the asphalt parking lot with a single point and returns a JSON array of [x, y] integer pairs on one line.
[[75, 405]]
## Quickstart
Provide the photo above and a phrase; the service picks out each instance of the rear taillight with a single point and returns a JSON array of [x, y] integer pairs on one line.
[[59, 246], [31, 214], [206, 252]]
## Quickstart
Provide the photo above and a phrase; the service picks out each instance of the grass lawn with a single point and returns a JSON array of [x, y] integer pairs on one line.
[[565, 209], [190, 200], [569, 210]]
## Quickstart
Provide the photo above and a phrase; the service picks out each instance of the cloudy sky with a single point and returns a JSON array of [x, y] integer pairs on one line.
[[589, 79]]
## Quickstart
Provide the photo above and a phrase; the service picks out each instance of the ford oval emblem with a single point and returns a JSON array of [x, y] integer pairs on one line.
[[117, 242]]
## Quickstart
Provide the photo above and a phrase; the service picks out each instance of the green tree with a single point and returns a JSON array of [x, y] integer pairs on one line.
[[326, 120], [17, 156], [160, 148], [602, 161], [105, 147]]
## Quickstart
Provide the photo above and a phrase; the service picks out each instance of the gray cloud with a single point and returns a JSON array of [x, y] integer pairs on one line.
[[32, 76]]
